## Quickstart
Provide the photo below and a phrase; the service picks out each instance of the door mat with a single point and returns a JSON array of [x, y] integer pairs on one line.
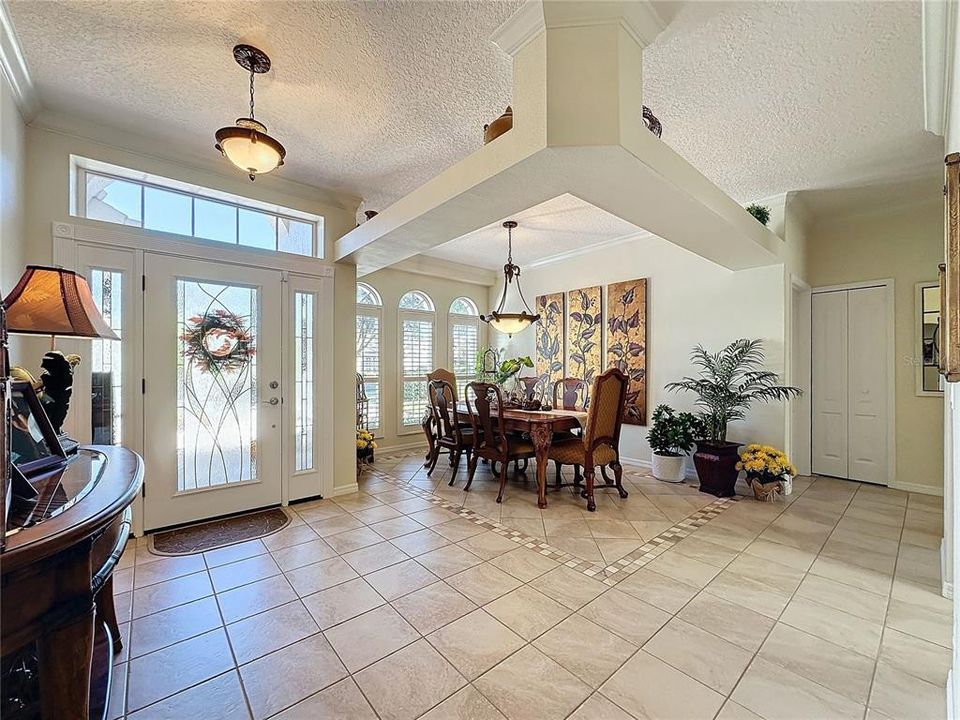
[[218, 533]]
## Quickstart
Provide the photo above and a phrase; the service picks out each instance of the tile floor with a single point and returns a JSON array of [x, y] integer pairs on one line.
[[396, 603]]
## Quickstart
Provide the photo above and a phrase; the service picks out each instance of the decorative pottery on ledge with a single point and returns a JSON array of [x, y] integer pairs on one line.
[[499, 126]]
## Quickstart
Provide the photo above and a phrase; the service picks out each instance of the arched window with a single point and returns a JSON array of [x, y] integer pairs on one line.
[[369, 324], [417, 318], [464, 321]]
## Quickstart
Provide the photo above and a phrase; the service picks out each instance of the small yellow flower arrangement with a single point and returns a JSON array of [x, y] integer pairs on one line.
[[763, 465], [365, 442]]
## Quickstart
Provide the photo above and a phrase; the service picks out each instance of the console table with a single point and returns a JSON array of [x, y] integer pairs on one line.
[[59, 628]]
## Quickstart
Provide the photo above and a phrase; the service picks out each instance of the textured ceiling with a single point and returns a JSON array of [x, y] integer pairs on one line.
[[557, 226], [375, 98]]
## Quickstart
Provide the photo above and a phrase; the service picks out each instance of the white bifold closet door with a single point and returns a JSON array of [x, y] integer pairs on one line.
[[849, 381]]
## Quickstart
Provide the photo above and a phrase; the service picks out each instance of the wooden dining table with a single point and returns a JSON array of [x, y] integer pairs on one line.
[[540, 425]]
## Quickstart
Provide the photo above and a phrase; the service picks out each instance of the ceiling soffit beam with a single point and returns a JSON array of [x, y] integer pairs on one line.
[[577, 102], [941, 70], [14, 68]]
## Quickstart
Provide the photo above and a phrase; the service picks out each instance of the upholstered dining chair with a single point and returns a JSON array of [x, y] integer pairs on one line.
[[600, 443], [451, 436], [566, 396], [484, 404], [429, 430]]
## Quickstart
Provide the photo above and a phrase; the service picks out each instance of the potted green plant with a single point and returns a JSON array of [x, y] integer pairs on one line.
[[728, 383], [671, 438], [760, 212]]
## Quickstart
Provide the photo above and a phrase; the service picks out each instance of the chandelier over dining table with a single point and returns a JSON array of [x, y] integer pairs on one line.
[[522, 317]]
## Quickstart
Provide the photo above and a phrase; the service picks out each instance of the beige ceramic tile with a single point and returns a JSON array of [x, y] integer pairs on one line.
[[524, 564], [232, 553], [459, 529], [256, 597], [433, 607], [626, 616], [734, 623], [527, 612], [319, 576], [342, 602], [488, 545], [448, 560], [685, 569], [475, 643], [483, 583], [419, 542], [398, 580], [164, 568], [926, 660], [597, 707], [843, 597], [587, 650], [371, 636], [775, 693], [408, 683], [170, 626], [374, 557], [703, 656], [465, 704], [646, 687], [749, 593], [514, 687], [658, 590], [221, 699], [341, 701], [294, 556], [900, 695], [167, 594], [705, 551], [286, 677], [397, 527], [836, 626], [289, 536], [240, 573], [271, 630], [568, 587]]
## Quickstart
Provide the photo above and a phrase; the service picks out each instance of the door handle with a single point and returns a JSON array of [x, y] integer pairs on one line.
[[272, 401]]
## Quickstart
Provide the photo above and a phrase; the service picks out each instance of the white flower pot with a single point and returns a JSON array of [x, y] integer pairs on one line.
[[668, 468]]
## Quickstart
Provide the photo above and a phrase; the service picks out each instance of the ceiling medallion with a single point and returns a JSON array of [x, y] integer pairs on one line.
[[247, 144], [511, 322]]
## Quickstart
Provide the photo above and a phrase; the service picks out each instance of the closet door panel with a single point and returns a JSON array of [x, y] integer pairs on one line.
[[829, 383], [867, 379]]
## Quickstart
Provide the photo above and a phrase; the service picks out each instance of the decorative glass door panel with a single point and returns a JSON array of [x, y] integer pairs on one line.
[[214, 390], [216, 384]]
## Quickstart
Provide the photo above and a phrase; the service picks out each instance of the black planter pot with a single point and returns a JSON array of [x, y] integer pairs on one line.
[[716, 465]]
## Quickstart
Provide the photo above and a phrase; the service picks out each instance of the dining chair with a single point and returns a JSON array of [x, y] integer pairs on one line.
[[451, 436], [600, 443], [427, 423], [531, 386], [566, 396], [490, 441]]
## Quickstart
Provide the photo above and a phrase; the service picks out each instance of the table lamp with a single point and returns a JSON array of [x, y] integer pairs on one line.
[[53, 301]]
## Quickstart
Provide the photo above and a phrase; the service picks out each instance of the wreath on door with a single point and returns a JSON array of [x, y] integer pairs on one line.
[[218, 341]]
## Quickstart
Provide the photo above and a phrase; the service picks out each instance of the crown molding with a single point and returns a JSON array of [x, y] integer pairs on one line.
[[14, 67], [941, 70], [520, 28], [588, 249]]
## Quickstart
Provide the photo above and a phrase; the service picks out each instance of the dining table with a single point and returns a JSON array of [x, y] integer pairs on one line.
[[540, 426]]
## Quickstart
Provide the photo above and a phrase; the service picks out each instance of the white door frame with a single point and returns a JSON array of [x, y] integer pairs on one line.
[[69, 236], [888, 286], [800, 410]]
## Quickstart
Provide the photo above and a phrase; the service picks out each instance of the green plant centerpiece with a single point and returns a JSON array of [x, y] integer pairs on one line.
[[760, 212], [671, 437], [728, 383]]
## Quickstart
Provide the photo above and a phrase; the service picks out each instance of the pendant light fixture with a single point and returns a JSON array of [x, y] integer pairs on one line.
[[247, 144], [511, 322]]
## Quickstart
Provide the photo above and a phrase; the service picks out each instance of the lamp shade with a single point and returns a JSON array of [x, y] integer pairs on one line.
[[54, 301]]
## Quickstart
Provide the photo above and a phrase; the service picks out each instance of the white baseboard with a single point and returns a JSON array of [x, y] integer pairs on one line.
[[950, 707], [917, 488], [346, 489], [403, 447], [946, 579]]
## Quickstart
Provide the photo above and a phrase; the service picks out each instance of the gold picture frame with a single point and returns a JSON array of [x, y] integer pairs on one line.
[[950, 273]]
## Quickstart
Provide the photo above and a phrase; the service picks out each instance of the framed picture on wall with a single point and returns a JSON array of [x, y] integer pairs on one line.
[[949, 345], [34, 445]]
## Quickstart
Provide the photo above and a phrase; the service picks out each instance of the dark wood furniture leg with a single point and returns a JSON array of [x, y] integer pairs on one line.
[[65, 657], [108, 613], [427, 425], [541, 435]]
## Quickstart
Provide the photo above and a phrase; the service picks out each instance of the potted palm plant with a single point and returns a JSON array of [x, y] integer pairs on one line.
[[728, 383], [671, 437]]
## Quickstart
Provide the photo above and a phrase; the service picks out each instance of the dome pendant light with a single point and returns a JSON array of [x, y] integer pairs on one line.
[[247, 144], [510, 322]]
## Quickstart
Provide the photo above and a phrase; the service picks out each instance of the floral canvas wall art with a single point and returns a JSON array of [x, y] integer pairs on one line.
[[584, 335], [627, 343], [549, 330]]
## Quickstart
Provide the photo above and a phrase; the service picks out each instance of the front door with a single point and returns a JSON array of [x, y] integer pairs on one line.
[[212, 399]]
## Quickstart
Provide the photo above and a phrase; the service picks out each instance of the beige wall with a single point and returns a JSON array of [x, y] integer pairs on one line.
[[48, 199], [906, 244], [392, 285], [690, 300], [12, 193]]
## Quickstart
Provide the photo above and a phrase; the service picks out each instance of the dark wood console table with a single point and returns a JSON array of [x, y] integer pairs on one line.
[[58, 628]]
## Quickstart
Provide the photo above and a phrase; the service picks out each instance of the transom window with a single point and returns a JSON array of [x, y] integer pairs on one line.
[[416, 356], [464, 340], [369, 324], [135, 199]]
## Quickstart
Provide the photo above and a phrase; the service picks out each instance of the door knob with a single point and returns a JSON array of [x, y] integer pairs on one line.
[[274, 384], [272, 401]]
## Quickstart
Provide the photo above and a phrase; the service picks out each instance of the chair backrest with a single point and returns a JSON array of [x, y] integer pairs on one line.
[[440, 392], [605, 416], [531, 386], [572, 389], [487, 404], [449, 377], [362, 403]]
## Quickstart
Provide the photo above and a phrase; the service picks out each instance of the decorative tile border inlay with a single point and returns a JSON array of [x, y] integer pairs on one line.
[[610, 574]]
